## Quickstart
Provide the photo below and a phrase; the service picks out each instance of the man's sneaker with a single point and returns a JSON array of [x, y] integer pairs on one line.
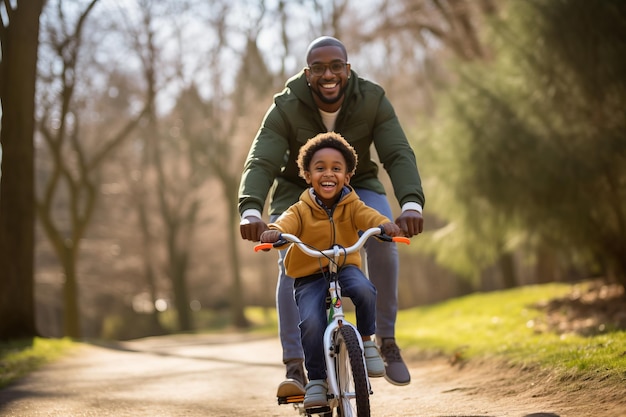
[[373, 361], [396, 371], [316, 394], [294, 384]]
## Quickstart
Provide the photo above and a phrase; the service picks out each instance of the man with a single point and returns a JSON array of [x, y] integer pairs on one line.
[[328, 96]]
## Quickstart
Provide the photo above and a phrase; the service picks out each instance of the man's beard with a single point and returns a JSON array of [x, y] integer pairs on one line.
[[326, 100]]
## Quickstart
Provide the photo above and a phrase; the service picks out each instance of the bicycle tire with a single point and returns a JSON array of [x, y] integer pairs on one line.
[[351, 375]]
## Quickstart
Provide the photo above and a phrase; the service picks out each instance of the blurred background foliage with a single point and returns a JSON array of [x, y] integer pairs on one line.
[[528, 149], [145, 110]]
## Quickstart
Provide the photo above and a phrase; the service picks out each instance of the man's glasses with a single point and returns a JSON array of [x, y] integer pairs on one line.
[[336, 67]]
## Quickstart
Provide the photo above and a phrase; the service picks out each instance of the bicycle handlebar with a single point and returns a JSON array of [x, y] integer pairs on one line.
[[289, 238]]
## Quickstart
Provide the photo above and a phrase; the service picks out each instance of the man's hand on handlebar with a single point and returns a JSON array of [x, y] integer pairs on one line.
[[251, 228], [411, 222]]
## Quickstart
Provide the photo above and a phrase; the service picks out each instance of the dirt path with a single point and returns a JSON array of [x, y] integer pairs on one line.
[[236, 375]]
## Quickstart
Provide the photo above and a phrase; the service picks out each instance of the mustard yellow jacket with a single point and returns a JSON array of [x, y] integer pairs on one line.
[[314, 225]]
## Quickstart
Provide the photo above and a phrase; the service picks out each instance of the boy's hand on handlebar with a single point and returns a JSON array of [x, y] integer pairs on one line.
[[251, 228], [392, 229], [411, 222], [270, 236]]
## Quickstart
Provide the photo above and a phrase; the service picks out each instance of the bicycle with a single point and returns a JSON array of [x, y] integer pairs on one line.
[[348, 384]]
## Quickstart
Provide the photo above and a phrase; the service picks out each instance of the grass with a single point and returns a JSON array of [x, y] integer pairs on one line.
[[18, 358], [503, 325], [498, 325]]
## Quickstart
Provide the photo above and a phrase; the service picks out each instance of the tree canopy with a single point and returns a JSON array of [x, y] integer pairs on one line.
[[529, 149]]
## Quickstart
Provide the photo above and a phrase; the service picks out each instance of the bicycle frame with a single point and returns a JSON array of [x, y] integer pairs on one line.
[[336, 319]]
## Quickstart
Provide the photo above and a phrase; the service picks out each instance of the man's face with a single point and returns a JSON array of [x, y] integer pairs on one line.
[[328, 74]]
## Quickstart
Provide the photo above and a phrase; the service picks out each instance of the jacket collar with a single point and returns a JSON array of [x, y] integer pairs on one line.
[[309, 198]]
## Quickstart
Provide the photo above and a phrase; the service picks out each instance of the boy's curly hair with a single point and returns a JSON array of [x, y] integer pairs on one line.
[[326, 140]]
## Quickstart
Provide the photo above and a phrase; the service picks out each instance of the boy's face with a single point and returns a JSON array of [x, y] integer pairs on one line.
[[327, 174]]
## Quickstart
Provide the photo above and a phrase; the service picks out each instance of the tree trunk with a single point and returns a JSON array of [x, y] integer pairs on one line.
[[71, 320], [506, 263], [547, 268], [19, 36], [148, 261], [181, 295]]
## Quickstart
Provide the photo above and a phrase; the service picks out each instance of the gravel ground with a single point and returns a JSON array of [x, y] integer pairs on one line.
[[237, 375]]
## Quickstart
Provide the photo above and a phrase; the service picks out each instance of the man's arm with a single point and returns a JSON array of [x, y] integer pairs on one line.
[[399, 161], [261, 167], [397, 156]]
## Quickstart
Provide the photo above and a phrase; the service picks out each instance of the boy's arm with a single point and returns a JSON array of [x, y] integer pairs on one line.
[[365, 216], [288, 222]]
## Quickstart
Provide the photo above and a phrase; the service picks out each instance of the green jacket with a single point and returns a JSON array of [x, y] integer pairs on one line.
[[366, 117], [312, 224]]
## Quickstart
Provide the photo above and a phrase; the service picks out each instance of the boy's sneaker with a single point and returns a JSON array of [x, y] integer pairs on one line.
[[316, 394], [396, 371], [373, 361], [294, 384], [290, 388]]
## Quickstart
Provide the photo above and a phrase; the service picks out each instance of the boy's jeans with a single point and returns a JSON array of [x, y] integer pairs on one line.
[[310, 295]]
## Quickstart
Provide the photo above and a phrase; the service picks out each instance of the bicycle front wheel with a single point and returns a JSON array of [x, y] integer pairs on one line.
[[351, 375]]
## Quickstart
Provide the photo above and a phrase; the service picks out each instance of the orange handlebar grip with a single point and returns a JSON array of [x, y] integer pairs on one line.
[[401, 239], [263, 246]]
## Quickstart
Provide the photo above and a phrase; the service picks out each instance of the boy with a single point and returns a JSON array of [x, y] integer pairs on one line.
[[328, 213]]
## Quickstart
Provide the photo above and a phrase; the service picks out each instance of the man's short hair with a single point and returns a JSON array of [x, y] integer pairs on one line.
[[325, 41]]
